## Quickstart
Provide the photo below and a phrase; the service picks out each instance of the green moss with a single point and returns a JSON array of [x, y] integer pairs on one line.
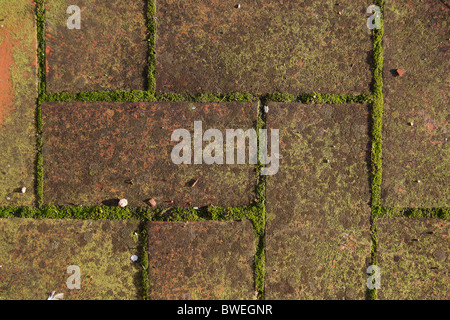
[[40, 25], [151, 29], [317, 98], [143, 243], [376, 152]]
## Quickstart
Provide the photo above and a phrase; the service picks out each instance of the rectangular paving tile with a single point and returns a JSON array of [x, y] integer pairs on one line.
[[263, 46], [35, 256], [101, 152], [201, 260], [108, 52], [318, 215], [18, 92], [416, 113], [413, 258]]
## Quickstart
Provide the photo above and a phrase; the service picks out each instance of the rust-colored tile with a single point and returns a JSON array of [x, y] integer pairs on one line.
[[413, 257], [108, 52], [416, 106], [318, 215], [201, 260], [100, 152], [18, 92], [263, 46], [36, 253]]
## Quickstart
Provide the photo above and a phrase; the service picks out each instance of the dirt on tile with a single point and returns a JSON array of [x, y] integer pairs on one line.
[[201, 260], [36, 254], [416, 113], [318, 215], [97, 153], [18, 92], [108, 52], [263, 46], [413, 258]]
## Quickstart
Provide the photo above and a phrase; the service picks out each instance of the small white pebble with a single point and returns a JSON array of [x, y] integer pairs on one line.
[[8, 198], [238, 6], [23, 190], [123, 203], [134, 258], [266, 109], [419, 181]]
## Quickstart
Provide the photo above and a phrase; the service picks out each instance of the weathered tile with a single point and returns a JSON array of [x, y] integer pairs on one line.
[[201, 260], [413, 258], [18, 92], [35, 255], [108, 52], [263, 46], [96, 152], [318, 215], [416, 113]]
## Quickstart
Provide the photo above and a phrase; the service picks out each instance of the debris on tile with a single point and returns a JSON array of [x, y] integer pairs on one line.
[[194, 183], [134, 258], [123, 203], [400, 72], [54, 296], [23, 190], [152, 202]]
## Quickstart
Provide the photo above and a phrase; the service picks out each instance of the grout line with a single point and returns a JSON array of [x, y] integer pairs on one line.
[[376, 152], [143, 240], [151, 28], [260, 219], [40, 29], [148, 96]]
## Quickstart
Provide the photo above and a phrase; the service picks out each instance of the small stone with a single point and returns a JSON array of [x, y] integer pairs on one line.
[[134, 258], [23, 190], [400, 72], [152, 202], [123, 203], [266, 109], [411, 123], [238, 6], [8, 198], [419, 181]]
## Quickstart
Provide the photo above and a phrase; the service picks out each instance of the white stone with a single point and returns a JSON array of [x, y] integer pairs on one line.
[[123, 203]]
